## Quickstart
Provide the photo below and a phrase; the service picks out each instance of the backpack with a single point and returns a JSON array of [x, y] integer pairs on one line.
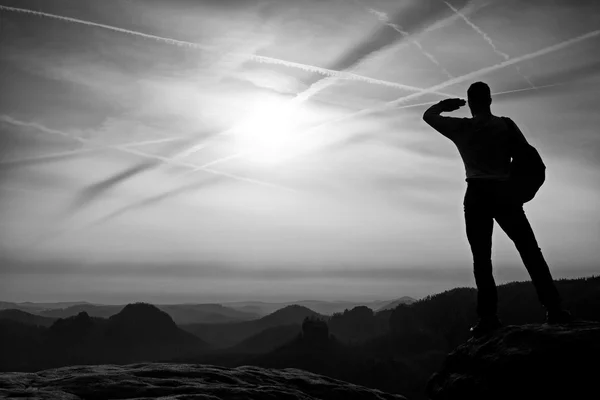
[[527, 170]]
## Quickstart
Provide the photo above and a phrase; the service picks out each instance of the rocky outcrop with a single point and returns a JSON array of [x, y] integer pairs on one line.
[[523, 362], [180, 381]]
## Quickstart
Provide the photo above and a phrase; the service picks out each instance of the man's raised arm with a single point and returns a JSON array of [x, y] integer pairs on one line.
[[447, 126]]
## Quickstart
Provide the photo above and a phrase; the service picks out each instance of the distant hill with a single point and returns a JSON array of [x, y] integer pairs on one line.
[[331, 307], [139, 332], [181, 313], [447, 316], [267, 340], [205, 313], [26, 318], [93, 310], [395, 303], [230, 334], [320, 352], [359, 324], [59, 304], [399, 360], [29, 306], [321, 307], [418, 338], [144, 331], [200, 313]]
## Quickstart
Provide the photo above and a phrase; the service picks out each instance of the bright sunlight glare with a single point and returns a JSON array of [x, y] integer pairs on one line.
[[270, 133]]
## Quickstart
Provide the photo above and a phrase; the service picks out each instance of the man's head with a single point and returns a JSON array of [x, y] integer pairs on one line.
[[479, 98]]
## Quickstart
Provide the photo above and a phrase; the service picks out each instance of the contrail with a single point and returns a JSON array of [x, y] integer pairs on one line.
[[354, 61], [360, 54], [383, 17], [252, 57], [256, 58], [470, 8], [493, 94], [78, 152], [483, 71], [181, 43], [394, 103], [148, 201], [39, 127], [488, 39], [167, 160], [95, 190], [415, 16]]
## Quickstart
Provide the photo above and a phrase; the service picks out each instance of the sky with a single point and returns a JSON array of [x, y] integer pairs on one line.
[[221, 150]]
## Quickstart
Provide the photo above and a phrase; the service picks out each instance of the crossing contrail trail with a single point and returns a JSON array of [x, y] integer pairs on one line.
[[128, 150], [78, 152], [252, 57], [375, 45], [323, 84], [483, 71], [395, 103], [13, 121], [149, 201], [361, 54], [383, 17], [493, 94], [488, 39], [256, 58]]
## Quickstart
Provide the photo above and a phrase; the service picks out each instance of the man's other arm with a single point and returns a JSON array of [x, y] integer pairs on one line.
[[447, 126], [518, 134]]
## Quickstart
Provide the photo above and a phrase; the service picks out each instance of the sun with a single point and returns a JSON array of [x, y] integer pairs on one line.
[[270, 134]]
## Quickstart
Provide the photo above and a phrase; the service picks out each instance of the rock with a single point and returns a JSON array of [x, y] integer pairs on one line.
[[523, 362], [180, 381]]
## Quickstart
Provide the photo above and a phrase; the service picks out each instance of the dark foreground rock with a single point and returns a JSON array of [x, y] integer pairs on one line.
[[180, 381], [523, 362]]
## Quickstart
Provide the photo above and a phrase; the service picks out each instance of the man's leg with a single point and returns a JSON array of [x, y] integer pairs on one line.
[[480, 224], [513, 221]]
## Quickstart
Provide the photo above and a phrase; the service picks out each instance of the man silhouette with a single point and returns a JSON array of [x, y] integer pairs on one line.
[[484, 145]]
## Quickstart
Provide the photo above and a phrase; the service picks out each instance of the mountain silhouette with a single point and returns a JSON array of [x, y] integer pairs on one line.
[[142, 322], [318, 306], [316, 350], [419, 337], [72, 331], [205, 313], [230, 334], [181, 313], [417, 340], [139, 332], [26, 318], [396, 303], [144, 332], [20, 346], [359, 324], [34, 308], [93, 310], [267, 340]]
